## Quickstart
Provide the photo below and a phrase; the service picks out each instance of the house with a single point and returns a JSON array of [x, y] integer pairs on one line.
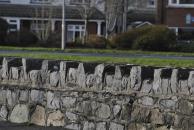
[[178, 15], [28, 14], [141, 13]]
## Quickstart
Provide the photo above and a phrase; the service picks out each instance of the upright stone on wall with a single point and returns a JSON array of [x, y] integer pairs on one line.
[[98, 76], [54, 79], [5, 69], [191, 82], [35, 78], [90, 96], [157, 89], [147, 86], [135, 78], [29, 65], [72, 75], [174, 81], [62, 72], [81, 76], [7, 64], [24, 69], [45, 72], [117, 81], [15, 73]]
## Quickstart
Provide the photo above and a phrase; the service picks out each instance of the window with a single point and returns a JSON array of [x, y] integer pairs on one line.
[[4, 1], [75, 32], [174, 1], [39, 26], [79, 1], [186, 1], [13, 25], [151, 3], [188, 19], [40, 1], [181, 2]]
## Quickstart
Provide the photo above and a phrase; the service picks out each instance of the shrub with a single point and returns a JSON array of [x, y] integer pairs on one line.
[[21, 38], [184, 47], [94, 41], [159, 38], [54, 40], [3, 29], [126, 40], [77, 43]]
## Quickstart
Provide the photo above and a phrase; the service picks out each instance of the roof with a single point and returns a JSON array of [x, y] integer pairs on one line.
[[72, 12], [141, 15], [140, 24]]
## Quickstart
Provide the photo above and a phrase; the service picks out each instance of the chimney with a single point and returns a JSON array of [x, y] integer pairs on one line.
[[161, 11]]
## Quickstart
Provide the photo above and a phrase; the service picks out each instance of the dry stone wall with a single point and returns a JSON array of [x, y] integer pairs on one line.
[[95, 96]]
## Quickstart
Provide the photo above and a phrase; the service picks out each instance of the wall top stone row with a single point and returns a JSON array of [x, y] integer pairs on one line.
[[113, 78]]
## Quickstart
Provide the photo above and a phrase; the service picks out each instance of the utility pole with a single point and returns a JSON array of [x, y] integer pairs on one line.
[[125, 10], [63, 28]]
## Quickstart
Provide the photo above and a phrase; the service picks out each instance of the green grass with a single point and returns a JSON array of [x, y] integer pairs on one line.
[[82, 50], [28, 48], [138, 61]]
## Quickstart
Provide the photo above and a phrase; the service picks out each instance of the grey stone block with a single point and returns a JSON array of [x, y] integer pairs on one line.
[[37, 96], [11, 97], [146, 100], [88, 126], [23, 95], [39, 116], [53, 100], [56, 119], [104, 111], [71, 116], [101, 126], [73, 126], [3, 113], [115, 126], [68, 102], [20, 114]]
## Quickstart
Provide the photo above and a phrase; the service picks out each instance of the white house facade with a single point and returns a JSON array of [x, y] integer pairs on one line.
[[27, 14]]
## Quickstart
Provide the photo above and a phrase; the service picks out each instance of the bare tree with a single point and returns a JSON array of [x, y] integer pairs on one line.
[[125, 11], [86, 9], [42, 21], [116, 14], [113, 13]]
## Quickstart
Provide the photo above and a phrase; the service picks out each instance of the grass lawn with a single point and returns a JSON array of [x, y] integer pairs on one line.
[[82, 50], [138, 61]]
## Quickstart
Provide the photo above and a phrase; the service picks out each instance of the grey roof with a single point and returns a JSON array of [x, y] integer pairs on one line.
[[141, 15], [72, 12]]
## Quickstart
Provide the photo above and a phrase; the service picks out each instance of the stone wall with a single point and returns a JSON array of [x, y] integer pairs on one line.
[[95, 96]]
